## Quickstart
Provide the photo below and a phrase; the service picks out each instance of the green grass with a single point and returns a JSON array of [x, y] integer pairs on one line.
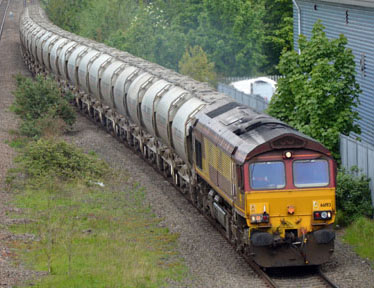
[[92, 236], [360, 235]]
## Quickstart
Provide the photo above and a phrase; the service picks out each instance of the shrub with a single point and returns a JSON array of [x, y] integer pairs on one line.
[[47, 157], [40, 104], [353, 195]]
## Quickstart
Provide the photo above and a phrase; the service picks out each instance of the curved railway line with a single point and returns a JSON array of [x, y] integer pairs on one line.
[[4, 6], [305, 277]]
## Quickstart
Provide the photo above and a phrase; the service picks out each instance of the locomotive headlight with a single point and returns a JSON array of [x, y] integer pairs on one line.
[[322, 215], [260, 218], [287, 155]]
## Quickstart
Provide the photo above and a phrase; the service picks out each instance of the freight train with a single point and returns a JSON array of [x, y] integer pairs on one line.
[[270, 188]]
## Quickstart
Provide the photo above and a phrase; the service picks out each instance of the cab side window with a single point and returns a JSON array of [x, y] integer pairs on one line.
[[198, 155]]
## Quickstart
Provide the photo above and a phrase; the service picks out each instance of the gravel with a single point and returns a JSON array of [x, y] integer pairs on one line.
[[347, 269], [211, 261]]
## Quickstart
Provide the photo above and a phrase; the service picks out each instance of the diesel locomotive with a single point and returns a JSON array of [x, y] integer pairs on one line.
[[270, 188]]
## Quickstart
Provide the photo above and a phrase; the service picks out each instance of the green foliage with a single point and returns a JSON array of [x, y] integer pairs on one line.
[[361, 236], [65, 13], [195, 64], [353, 196], [318, 94], [230, 32], [278, 23], [47, 157], [41, 106]]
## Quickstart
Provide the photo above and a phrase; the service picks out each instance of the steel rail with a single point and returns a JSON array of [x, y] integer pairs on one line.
[[326, 279], [4, 16]]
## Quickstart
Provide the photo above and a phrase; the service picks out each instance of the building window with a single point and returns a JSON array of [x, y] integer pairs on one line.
[[363, 64], [346, 16], [198, 155], [315, 7]]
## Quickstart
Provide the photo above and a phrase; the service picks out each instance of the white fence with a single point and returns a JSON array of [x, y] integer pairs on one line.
[[256, 102], [355, 153], [228, 80]]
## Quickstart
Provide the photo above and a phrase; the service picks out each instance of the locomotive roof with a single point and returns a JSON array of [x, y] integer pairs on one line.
[[244, 133]]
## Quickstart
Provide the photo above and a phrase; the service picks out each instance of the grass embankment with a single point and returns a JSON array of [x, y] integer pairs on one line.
[[360, 235], [91, 225]]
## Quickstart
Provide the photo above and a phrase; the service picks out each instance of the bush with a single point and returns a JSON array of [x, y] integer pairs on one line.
[[353, 196], [40, 104], [47, 157]]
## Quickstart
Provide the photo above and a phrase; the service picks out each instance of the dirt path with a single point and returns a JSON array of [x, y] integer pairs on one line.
[[10, 65]]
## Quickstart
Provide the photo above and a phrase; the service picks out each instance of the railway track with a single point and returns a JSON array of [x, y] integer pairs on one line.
[[4, 5], [303, 277], [299, 277], [290, 279]]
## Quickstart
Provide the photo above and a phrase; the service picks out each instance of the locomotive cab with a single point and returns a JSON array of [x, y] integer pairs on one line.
[[290, 207]]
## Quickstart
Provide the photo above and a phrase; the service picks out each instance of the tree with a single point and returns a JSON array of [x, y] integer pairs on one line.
[[65, 13], [319, 92], [231, 33], [278, 25], [195, 63]]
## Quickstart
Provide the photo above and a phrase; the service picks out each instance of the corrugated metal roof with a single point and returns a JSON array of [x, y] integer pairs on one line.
[[360, 3], [241, 132]]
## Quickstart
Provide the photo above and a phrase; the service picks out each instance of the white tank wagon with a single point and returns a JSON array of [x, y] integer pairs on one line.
[[139, 101]]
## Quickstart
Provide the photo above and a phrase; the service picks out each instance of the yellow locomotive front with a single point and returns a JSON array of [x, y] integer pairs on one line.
[[290, 207], [270, 187]]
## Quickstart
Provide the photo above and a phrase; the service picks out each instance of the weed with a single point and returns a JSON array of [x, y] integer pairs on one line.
[[360, 234]]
